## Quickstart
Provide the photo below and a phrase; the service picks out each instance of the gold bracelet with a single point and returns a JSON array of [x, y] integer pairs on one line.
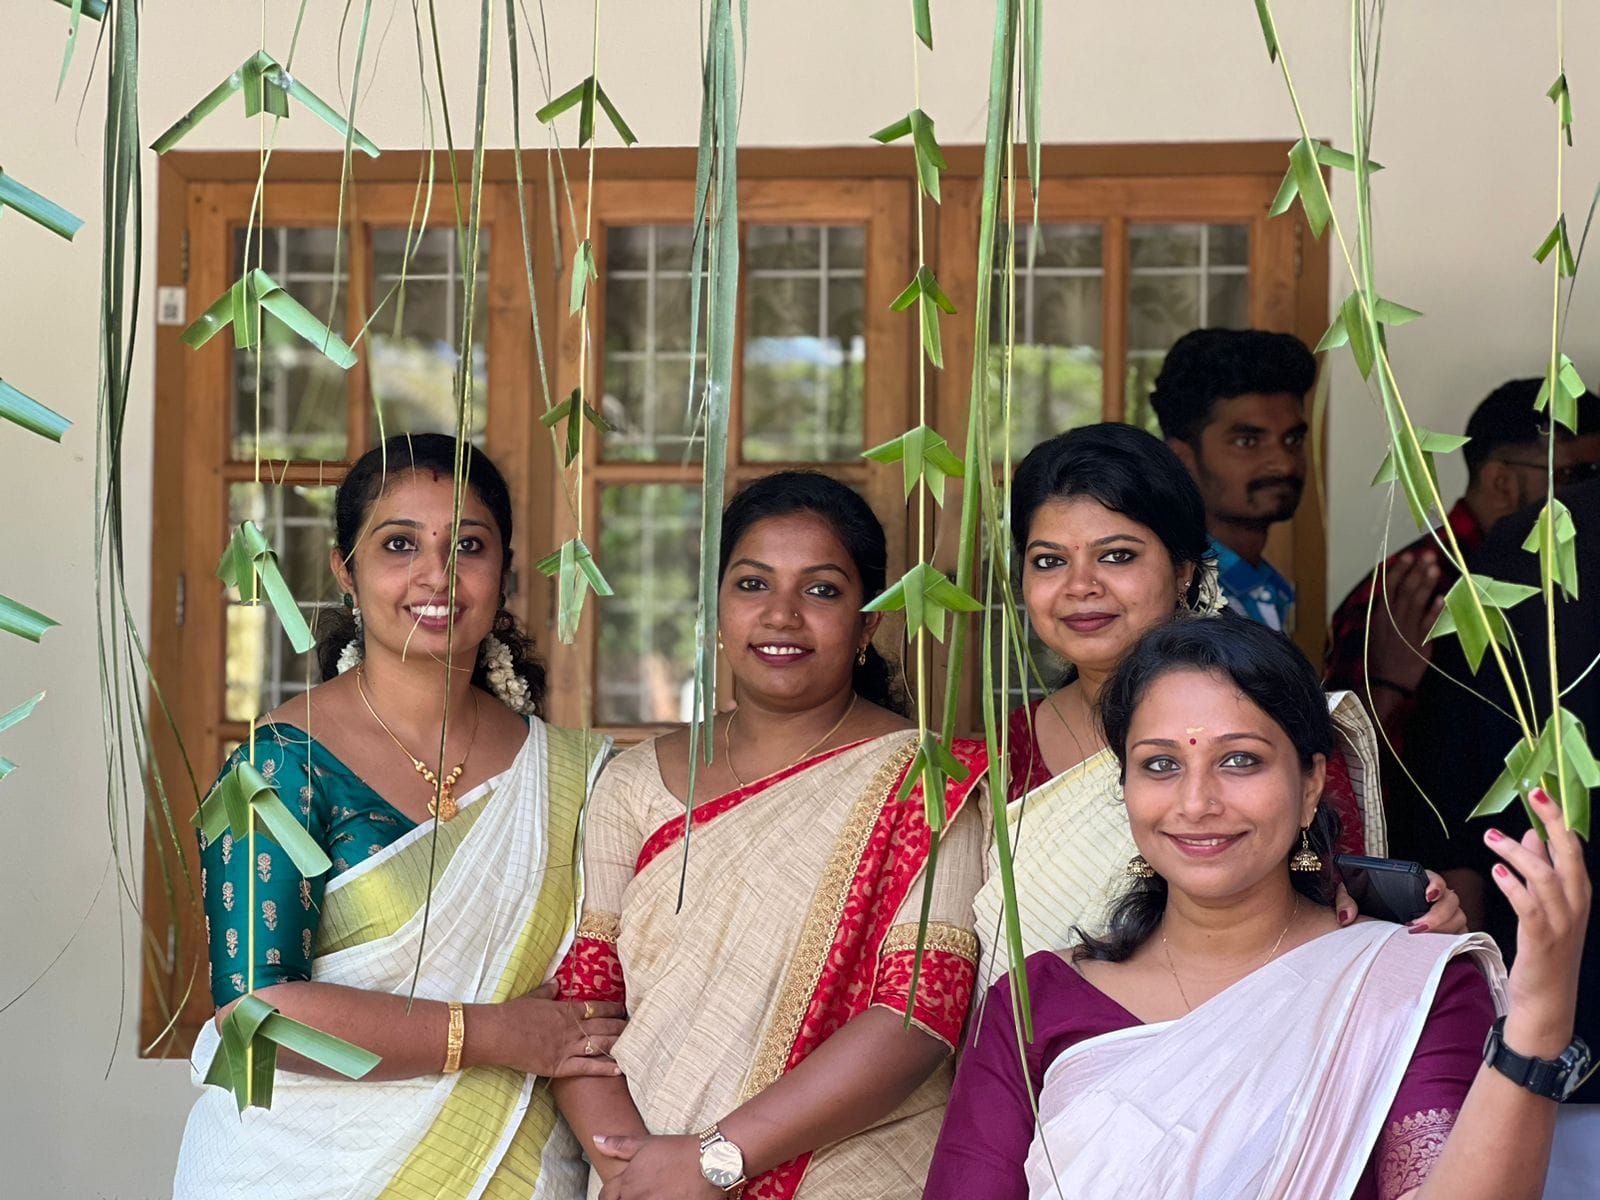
[[455, 1039]]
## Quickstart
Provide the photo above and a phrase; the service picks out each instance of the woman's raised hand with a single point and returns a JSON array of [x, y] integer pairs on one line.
[[1548, 884], [541, 1035]]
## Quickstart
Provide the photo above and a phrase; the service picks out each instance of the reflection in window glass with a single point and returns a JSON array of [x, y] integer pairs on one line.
[[805, 343], [650, 552], [1182, 277], [416, 336], [263, 669], [1056, 356], [290, 391], [645, 384]]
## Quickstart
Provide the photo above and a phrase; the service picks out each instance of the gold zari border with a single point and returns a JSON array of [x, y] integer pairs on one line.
[[951, 939], [821, 923], [601, 926]]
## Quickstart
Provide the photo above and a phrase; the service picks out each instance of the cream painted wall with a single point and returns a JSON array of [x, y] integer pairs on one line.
[[1463, 80]]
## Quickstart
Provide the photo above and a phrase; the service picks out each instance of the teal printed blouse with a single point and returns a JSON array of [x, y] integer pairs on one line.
[[349, 820]]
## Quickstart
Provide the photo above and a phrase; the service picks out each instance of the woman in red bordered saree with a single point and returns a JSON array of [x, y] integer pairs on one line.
[[767, 1049]]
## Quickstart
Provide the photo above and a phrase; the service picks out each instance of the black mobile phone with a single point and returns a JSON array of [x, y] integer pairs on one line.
[[1390, 889]]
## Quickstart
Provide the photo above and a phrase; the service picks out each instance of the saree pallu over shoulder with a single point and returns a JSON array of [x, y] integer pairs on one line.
[[1275, 1089], [798, 894], [506, 888]]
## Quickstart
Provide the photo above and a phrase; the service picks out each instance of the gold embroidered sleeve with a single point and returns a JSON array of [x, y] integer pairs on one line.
[[601, 926], [947, 938], [1408, 1149]]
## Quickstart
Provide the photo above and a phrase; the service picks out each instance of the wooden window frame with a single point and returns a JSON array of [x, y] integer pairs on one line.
[[1183, 183]]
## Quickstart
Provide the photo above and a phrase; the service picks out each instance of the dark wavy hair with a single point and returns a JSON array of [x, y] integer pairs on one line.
[[1270, 670], [374, 473], [1128, 470], [858, 529], [1207, 365]]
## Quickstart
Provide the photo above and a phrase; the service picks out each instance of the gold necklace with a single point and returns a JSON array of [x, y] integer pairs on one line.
[[727, 740], [443, 805], [1271, 954]]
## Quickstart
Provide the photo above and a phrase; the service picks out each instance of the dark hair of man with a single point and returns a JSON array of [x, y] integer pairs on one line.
[[1507, 419], [1272, 673], [380, 469], [1130, 472], [1207, 365], [859, 531]]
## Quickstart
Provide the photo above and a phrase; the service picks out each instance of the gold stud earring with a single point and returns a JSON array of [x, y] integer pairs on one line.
[[1138, 868], [861, 657], [1305, 859]]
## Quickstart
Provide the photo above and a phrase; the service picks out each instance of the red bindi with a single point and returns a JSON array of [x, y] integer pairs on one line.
[[1192, 742]]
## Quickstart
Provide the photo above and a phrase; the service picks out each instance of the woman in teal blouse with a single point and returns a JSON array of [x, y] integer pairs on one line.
[[474, 907]]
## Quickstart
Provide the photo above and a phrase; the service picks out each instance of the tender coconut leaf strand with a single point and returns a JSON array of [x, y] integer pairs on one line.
[[1569, 389], [30, 414], [244, 790], [37, 208], [1556, 240], [585, 96], [1563, 100], [267, 86], [7, 720], [1554, 538], [23, 621], [1478, 622], [250, 558], [240, 306], [247, 1059], [925, 457]]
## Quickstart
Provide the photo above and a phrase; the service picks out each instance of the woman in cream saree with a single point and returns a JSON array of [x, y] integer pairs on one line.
[[766, 953]]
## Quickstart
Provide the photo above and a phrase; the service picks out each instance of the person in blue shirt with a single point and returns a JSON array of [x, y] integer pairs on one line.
[[1231, 403]]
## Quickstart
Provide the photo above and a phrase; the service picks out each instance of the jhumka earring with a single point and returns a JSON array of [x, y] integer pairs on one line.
[[1138, 868], [1305, 859]]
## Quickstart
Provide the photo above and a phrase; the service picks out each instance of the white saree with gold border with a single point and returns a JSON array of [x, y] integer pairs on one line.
[[507, 886]]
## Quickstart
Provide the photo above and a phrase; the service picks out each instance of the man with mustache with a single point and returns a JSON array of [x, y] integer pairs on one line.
[[1231, 403]]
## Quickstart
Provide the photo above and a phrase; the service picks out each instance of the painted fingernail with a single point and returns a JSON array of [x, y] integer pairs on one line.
[[1431, 894], [1502, 871], [1344, 917], [1540, 796], [1494, 835], [1418, 927]]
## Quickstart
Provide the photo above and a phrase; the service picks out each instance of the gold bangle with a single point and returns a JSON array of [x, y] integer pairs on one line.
[[455, 1039]]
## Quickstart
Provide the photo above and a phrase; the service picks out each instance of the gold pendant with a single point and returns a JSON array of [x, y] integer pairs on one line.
[[445, 808]]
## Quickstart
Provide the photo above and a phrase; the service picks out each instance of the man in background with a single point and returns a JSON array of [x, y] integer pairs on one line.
[[1506, 469], [1231, 403]]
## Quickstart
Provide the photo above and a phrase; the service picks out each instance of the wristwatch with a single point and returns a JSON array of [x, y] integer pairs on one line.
[[721, 1162], [1554, 1080]]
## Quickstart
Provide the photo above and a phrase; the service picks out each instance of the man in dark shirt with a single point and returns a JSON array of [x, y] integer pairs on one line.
[[1457, 740], [1506, 466]]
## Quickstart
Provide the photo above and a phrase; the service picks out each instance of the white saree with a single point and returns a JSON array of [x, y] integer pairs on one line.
[[503, 911], [1275, 1089]]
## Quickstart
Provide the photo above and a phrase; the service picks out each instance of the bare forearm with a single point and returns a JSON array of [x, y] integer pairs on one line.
[[410, 1039], [598, 1105], [857, 1077]]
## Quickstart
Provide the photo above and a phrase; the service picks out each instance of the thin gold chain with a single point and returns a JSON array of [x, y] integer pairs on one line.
[[443, 801], [727, 739], [1271, 954]]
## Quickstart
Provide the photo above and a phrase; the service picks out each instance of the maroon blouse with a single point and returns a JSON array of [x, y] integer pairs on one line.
[[988, 1127]]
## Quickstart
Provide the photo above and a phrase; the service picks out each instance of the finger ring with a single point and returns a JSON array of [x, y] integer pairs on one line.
[[588, 1010], [588, 1048]]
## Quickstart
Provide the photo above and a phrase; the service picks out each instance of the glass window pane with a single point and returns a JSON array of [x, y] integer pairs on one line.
[[1182, 277], [262, 668], [650, 552], [645, 377], [416, 334], [805, 344], [1056, 359], [302, 396]]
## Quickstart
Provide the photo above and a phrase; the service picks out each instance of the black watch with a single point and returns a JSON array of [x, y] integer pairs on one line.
[[1554, 1080]]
